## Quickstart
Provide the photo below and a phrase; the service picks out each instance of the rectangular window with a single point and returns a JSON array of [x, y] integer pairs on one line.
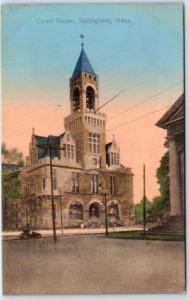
[[117, 158], [112, 185], [94, 143], [64, 150], [94, 184], [75, 182], [43, 183], [114, 158], [54, 179], [72, 151], [68, 151]]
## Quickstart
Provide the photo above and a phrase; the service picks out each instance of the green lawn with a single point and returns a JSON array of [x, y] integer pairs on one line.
[[147, 236]]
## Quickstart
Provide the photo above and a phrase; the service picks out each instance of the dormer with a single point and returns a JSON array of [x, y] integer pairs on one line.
[[113, 154], [69, 147]]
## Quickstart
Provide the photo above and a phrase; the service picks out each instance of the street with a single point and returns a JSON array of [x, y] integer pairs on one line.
[[92, 264], [70, 231]]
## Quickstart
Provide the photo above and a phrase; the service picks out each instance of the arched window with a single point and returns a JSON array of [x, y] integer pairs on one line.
[[94, 210], [113, 210], [76, 211], [76, 99], [90, 98]]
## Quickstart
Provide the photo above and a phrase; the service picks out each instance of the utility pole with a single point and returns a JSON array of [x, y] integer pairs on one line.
[[50, 148], [105, 202], [106, 214], [61, 218], [52, 196], [144, 200]]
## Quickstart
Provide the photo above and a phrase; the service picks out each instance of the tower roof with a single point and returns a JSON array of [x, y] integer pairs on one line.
[[83, 64]]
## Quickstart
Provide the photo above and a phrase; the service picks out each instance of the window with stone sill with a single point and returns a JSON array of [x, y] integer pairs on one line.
[[68, 151], [114, 158], [75, 177], [95, 184], [94, 143]]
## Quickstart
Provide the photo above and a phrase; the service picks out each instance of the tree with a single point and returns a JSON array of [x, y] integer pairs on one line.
[[163, 180], [161, 204], [10, 185], [138, 210], [12, 155]]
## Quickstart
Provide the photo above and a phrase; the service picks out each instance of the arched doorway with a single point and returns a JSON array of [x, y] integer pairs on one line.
[[76, 211], [113, 210], [90, 98], [94, 210]]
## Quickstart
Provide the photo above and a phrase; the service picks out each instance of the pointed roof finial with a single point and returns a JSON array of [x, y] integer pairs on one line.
[[33, 131], [82, 40]]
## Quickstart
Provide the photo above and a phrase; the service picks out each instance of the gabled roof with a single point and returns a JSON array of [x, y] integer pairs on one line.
[[83, 65], [108, 146], [43, 141], [174, 114]]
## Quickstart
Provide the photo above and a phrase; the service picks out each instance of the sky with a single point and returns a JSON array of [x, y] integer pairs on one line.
[[135, 47]]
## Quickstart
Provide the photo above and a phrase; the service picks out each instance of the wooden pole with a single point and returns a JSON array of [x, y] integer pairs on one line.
[[52, 197], [144, 200], [61, 218], [106, 215]]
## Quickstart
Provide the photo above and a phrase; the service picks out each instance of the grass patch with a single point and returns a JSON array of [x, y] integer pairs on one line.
[[148, 236]]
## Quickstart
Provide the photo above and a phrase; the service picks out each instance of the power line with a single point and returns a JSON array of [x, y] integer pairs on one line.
[[144, 100], [141, 117], [115, 96]]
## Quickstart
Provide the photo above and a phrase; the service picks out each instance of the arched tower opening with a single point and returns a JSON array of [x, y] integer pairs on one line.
[[90, 98], [76, 99]]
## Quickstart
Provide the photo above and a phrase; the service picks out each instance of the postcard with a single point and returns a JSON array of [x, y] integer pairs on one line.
[[93, 149]]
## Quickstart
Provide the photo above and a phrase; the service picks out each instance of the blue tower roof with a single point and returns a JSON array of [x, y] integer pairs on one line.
[[83, 64]]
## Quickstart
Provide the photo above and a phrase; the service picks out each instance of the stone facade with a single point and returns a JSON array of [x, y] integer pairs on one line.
[[85, 168], [173, 121]]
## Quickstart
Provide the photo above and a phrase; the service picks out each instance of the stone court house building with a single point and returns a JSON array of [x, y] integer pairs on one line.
[[84, 169]]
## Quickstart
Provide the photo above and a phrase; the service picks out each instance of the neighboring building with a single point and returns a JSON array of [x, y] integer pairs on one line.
[[11, 167], [84, 169], [173, 120]]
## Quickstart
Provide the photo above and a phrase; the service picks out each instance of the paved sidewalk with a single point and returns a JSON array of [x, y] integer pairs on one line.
[[72, 231]]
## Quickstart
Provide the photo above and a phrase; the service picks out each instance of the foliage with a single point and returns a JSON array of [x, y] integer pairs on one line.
[[138, 210], [10, 185], [163, 180], [161, 204], [12, 155], [159, 207]]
